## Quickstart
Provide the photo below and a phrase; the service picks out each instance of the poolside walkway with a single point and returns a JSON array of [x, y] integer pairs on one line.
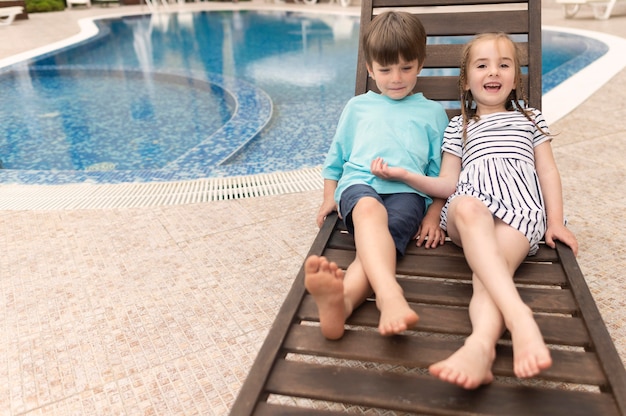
[[161, 310]]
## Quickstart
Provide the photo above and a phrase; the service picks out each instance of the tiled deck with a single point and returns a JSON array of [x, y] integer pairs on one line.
[[161, 310]]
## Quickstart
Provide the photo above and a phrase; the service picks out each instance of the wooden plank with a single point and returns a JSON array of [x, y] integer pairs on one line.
[[430, 3], [342, 240], [471, 23], [268, 409], [556, 329], [446, 55], [414, 350], [427, 395], [456, 268]]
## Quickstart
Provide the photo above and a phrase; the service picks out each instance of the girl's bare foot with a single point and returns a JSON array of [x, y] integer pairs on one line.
[[324, 281], [469, 367], [530, 354], [395, 316]]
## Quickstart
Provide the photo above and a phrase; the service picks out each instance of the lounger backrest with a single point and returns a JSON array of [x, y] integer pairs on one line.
[[449, 24]]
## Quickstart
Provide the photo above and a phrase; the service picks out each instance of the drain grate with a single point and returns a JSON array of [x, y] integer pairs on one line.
[[127, 195]]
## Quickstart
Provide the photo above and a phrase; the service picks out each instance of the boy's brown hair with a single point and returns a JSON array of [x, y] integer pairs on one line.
[[393, 35]]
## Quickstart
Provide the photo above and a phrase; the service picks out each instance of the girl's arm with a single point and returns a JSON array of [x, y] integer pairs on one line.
[[550, 182], [430, 234], [441, 186]]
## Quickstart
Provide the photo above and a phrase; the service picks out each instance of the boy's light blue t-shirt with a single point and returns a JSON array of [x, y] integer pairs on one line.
[[406, 133]]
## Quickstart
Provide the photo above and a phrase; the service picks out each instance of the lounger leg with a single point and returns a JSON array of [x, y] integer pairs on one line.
[[603, 11], [570, 10]]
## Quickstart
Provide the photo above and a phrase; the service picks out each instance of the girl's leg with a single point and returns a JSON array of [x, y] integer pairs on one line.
[[470, 366], [494, 250], [376, 251], [530, 353]]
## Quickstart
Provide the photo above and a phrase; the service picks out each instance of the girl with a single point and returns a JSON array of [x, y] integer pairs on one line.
[[504, 194]]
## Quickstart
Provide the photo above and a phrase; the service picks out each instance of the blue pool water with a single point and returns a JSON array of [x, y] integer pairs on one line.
[[208, 94]]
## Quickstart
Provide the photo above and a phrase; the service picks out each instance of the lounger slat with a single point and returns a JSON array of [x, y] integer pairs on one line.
[[271, 409], [340, 239], [556, 329], [449, 55], [470, 23], [459, 294], [456, 268], [440, 88], [418, 352], [424, 394], [431, 3]]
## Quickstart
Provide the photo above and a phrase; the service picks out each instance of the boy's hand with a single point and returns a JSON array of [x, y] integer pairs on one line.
[[326, 208], [430, 234]]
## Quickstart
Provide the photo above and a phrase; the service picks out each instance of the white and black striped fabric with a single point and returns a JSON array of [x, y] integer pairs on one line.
[[498, 167]]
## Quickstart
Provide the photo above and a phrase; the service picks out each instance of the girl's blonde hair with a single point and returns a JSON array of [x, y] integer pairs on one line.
[[517, 99]]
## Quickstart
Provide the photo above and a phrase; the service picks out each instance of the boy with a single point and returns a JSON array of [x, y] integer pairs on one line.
[[382, 215]]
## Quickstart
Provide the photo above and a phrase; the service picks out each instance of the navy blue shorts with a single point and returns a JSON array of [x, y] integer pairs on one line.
[[405, 212]]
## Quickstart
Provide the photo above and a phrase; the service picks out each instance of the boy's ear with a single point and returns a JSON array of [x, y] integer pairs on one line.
[[369, 71]]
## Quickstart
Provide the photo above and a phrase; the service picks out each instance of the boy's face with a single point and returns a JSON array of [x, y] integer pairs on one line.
[[395, 81]]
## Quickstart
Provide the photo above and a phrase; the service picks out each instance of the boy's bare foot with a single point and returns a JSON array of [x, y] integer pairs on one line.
[[324, 281], [469, 367], [530, 354], [396, 316]]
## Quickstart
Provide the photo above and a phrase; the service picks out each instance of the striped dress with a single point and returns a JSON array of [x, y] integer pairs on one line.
[[498, 167]]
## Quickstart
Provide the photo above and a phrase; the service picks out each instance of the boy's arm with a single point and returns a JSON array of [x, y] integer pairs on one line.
[[328, 204], [430, 233]]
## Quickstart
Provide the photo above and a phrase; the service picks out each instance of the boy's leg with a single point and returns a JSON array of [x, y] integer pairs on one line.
[[376, 251], [494, 250], [335, 295]]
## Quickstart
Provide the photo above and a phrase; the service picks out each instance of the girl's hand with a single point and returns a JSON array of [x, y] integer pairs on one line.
[[562, 234], [380, 169]]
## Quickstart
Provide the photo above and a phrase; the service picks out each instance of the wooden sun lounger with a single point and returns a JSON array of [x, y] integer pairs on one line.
[[299, 372]]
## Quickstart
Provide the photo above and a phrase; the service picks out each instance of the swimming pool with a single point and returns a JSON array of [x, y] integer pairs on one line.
[[192, 95]]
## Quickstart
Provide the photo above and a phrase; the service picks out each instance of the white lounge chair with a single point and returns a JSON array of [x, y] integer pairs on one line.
[[83, 2], [7, 14], [602, 9]]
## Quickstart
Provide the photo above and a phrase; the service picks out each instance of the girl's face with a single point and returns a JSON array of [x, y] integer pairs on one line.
[[491, 74], [395, 81]]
